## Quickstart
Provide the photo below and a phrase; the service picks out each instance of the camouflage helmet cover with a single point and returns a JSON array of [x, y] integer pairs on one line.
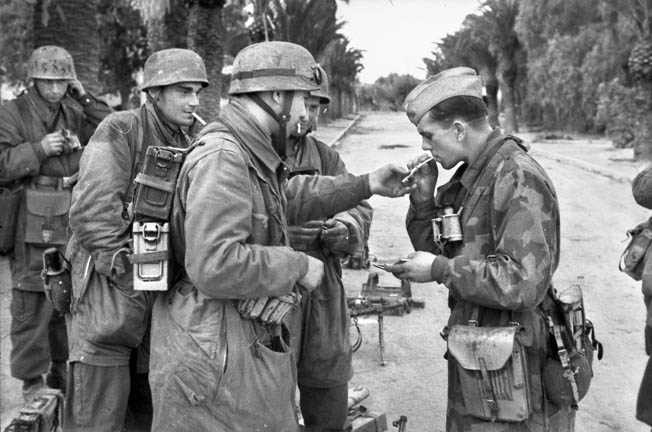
[[171, 66], [322, 93], [51, 62], [459, 81], [274, 66]]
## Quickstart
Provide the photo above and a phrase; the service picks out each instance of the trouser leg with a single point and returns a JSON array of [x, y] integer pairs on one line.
[[644, 401], [325, 409], [30, 351], [57, 337], [139, 408], [96, 400]]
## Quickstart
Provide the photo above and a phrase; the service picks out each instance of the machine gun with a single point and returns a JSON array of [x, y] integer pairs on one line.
[[380, 300]]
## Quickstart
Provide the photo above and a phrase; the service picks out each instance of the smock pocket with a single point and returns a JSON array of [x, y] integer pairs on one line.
[[260, 381]]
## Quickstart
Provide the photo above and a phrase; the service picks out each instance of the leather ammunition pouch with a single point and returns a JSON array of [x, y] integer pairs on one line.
[[632, 259], [156, 181], [492, 365], [47, 204], [10, 196]]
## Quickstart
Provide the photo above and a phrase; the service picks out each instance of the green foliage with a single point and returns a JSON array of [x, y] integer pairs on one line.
[[124, 45], [15, 38], [392, 90]]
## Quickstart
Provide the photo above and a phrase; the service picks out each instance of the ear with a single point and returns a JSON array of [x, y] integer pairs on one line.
[[460, 129], [154, 92], [277, 97]]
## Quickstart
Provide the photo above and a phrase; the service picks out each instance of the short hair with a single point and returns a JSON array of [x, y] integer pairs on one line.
[[467, 108]]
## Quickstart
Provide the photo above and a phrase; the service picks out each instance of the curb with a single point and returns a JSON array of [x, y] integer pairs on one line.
[[340, 135], [586, 166]]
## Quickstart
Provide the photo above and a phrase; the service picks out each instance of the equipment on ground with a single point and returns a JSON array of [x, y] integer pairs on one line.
[[44, 413], [380, 300]]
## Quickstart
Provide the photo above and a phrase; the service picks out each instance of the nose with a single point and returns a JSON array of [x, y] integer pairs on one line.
[[59, 88], [426, 145], [193, 100]]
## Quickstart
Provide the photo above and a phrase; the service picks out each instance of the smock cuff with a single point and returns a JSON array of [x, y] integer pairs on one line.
[[423, 209], [39, 152], [439, 266]]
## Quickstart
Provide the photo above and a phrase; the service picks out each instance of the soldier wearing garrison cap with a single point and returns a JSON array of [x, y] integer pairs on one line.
[[221, 357], [498, 262], [42, 135], [108, 325]]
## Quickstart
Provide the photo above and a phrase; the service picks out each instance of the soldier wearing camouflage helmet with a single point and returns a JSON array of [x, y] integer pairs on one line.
[[500, 270], [42, 134], [320, 327], [221, 357], [108, 325]]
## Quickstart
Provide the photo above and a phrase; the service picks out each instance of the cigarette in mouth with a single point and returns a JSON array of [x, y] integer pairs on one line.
[[298, 127], [199, 119]]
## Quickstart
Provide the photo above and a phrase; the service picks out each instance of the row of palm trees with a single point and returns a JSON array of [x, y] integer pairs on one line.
[[213, 28]]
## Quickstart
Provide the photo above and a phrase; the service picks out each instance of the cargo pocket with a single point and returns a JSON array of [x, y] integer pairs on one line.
[[261, 381]]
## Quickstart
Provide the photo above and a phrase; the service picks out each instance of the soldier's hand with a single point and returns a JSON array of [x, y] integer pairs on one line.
[[303, 237], [335, 237], [425, 178], [52, 144], [315, 274], [416, 268], [76, 88], [386, 181]]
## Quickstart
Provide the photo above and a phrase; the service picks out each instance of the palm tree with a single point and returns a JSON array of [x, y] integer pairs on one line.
[[496, 25], [71, 24], [205, 36], [342, 64]]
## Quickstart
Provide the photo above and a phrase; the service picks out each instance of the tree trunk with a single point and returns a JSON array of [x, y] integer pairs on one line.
[[206, 38], [643, 122], [72, 24], [491, 85], [506, 82]]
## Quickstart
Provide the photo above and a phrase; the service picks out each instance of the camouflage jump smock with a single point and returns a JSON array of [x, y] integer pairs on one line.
[[504, 264]]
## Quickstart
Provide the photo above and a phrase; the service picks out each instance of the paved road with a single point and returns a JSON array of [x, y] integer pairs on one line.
[[596, 212]]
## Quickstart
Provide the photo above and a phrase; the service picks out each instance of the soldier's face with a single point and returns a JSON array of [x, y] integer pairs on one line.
[[177, 102], [440, 139], [298, 111], [52, 90], [309, 121]]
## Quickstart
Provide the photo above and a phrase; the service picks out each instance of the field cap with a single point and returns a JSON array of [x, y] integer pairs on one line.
[[459, 81]]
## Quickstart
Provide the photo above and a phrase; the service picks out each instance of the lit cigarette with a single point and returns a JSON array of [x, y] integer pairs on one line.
[[414, 170], [298, 127], [199, 119]]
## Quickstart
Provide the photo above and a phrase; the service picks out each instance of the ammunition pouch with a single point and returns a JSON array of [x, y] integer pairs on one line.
[[47, 205], [493, 371], [156, 181], [632, 259], [10, 196]]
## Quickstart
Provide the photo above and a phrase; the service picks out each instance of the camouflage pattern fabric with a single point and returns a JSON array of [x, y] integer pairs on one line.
[[504, 265]]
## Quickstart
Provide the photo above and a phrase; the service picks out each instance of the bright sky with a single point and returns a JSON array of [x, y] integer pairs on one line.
[[397, 34]]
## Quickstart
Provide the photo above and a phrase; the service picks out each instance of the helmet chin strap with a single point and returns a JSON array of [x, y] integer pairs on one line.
[[279, 142]]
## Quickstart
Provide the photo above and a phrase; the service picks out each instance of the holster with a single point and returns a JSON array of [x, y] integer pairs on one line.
[[493, 371]]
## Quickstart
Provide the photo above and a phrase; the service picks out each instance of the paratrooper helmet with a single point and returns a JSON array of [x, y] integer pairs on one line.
[[171, 66], [323, 92], [274, 66], [51, 62]]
